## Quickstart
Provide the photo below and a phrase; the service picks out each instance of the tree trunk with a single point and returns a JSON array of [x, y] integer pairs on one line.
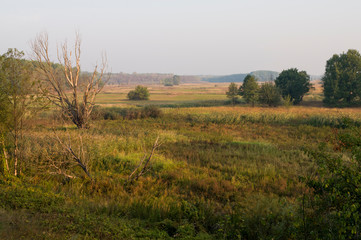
[[16, 155]]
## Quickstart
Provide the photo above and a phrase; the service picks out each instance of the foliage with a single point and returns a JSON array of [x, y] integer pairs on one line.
[[335, 201], [221, 173], [249, 89], [19, 94], [342, 79], [116, 113], [140, 93], [175, 80], [269, 94], [232, 92], [293, 83]]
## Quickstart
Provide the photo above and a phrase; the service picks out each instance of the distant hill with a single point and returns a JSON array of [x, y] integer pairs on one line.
[[226, 78], [263, 76]]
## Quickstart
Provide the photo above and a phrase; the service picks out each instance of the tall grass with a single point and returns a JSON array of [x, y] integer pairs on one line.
[[220, 173]]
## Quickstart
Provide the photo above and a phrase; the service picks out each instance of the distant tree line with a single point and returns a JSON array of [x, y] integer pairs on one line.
[[148, 78]]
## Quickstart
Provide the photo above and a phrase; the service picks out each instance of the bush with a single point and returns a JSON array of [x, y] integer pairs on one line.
[[116, 113], [335, 204], [270, 95], [140, 93], [151, 111]]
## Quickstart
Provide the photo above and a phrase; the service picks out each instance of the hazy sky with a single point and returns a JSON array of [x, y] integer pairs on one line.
[[190, 36]]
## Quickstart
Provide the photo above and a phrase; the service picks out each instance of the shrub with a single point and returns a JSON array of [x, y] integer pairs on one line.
[[151, 111], [335, 205], [116, 113], [140, 93], [270, 95]]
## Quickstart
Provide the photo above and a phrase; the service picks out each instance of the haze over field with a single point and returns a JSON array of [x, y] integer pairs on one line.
[[191, 37]]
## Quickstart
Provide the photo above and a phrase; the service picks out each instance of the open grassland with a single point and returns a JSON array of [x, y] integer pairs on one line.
[[117, 95], [220, 173]]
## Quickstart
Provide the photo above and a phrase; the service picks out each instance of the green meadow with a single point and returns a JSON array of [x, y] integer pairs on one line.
[[220, 172]]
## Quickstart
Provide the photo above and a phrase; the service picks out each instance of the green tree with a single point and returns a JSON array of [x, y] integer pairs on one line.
[[269, 94], [19, 92], [140, 93], [176, 80], [249, 90], [232, 92], [293, 83], [342, 79]]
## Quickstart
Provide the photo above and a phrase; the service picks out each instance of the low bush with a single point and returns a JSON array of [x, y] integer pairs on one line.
[[115, 113]]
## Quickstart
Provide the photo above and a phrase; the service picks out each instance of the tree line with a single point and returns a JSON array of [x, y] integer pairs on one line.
[[341, 84], [290, 86]]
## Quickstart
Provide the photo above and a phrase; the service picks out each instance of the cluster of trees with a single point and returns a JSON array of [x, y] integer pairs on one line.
[[27, 87], [175, 80], [291, 84]]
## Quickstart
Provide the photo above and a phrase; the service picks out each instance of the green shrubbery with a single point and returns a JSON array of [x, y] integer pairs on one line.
[[116, 113], [140, 93]]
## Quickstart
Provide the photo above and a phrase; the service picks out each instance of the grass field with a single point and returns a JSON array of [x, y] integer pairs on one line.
[[221, 172]]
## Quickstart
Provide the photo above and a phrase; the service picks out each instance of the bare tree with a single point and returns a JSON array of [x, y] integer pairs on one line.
[[67, 87]]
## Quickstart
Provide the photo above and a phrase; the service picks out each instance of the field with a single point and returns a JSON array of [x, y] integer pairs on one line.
[[221, 172]]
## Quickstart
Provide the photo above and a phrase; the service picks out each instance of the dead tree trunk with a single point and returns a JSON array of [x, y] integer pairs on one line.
[[83, 88]]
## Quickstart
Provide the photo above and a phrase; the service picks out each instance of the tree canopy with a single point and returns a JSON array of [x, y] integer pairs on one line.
[[342, 79], [293, 83], [140, 93], [269, 94], [232, 92], [249, 89]]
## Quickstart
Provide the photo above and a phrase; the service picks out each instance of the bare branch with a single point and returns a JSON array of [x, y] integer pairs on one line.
[[76, 108], [67, 147], [143, 164]]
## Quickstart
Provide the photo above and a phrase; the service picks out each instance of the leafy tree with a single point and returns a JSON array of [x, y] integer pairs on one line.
[[232, 92], [19, 95], [293, 83], [140, 93], [269, 94], [342, 78], [249, 89]]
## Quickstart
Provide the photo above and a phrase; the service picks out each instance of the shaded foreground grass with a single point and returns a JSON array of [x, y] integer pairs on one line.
[[220, 173]]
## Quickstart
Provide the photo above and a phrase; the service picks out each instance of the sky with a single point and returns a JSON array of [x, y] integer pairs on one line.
[[189, 37]]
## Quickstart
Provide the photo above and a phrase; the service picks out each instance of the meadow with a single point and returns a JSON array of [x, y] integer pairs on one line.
[[220, 172]]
